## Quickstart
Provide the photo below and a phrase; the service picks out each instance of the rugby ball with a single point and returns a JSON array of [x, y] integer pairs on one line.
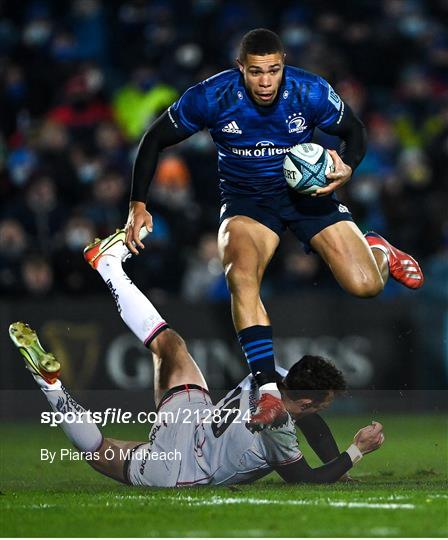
[[305, 167]]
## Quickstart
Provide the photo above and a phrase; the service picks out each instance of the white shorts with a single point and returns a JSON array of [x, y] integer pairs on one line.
[[171, 443]]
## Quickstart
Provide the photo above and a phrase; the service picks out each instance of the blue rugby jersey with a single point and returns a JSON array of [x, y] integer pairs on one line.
[[251, 139]]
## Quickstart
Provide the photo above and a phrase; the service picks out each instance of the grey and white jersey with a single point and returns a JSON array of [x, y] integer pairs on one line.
[[230, 453], [215, 447]]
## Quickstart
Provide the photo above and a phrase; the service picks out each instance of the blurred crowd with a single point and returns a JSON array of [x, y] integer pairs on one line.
[[82, 79]]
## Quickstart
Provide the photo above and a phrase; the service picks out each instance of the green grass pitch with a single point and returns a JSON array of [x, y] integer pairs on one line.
[[401, 492]]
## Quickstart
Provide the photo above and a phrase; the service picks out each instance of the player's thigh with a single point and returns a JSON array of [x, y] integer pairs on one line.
[[345, 250], [246, 246], [176, 434], [173, 364], [112, 457]]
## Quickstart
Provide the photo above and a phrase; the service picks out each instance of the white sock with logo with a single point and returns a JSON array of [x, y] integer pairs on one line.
[[133, 306], [80, 429]]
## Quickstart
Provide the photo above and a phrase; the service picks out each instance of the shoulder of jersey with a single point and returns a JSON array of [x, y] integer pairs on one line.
[[304, 85], [296, 74], [223, 91], [222, 78]]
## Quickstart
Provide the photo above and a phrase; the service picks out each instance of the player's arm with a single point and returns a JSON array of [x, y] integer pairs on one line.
[[367, 440], [300, 471], [319, 436], [353, 134], [335, 117], [188, 115], [161, 134]]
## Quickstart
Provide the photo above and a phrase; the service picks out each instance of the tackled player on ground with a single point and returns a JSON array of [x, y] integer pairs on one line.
[[215, 446]]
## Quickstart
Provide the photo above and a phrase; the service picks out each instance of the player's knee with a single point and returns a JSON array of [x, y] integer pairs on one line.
[[366, 286], [168, 342], [241, 280]]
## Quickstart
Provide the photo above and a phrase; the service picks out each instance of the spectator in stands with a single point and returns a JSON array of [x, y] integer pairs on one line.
[[108, 206], [83, 106], [40, 212], [110, 145], [71, 272], [37, 276], [53, 147], [13, 245], [138, 103], [74, 102], [204, 277], [172, 197]]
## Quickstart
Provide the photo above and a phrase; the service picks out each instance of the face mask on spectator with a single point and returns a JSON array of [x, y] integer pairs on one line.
[[87, 172], [19, 175], [366, 191], [78, 238], [413, 26], [36, 33], [296, 36]]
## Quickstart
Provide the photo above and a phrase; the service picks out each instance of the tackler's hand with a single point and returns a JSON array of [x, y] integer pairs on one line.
[[369, 438], [341, 175]]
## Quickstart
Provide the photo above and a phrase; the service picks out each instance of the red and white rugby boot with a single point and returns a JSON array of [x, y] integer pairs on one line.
[[38, 361], [402, 267], [114, 246], [270, 412]]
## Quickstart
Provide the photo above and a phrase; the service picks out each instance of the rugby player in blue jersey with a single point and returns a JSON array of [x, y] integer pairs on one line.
[[255, 113]]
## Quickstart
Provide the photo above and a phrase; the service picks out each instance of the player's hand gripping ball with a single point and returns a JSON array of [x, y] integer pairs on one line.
[[305, 167]]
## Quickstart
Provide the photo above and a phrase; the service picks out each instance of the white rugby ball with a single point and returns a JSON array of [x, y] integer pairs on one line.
[[305, 167]]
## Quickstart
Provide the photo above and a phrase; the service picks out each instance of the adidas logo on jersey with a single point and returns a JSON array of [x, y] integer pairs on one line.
[[232, 127]]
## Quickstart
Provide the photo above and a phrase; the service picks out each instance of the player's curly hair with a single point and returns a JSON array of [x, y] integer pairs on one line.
[[313, 377], [260, 41]]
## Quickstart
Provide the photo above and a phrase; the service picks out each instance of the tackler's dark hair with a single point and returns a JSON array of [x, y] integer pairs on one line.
[[313, 377]]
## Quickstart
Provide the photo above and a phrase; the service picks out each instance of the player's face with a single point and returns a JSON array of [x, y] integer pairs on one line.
[[263, 76], [303, 407]]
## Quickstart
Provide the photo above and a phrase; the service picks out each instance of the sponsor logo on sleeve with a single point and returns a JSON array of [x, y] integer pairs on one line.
[[171, 117], [341, 113], [333, 98]]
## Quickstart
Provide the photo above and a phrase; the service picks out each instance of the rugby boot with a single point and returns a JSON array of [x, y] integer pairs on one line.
[[114, 245], [402, 267], [38, 361], [270, 412]]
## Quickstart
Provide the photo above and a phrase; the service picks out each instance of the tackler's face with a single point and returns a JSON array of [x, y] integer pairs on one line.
[[303, 407], [263, 76]]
